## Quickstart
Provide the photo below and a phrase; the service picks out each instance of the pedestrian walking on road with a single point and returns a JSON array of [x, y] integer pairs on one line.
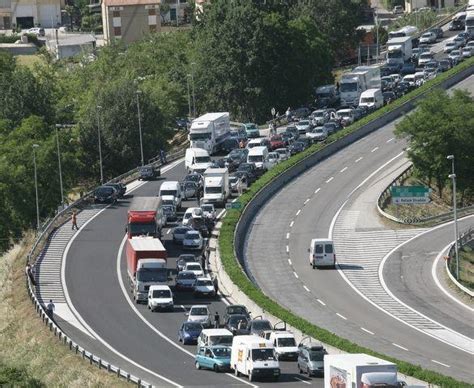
[[74, 220], [217, 320], [50, 309]]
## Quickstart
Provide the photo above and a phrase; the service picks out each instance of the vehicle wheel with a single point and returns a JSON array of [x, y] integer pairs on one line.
[[216, 368], [197, 365]]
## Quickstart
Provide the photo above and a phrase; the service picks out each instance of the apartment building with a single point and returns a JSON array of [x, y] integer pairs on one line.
[[129, 20], [30, 13], [412, 5]]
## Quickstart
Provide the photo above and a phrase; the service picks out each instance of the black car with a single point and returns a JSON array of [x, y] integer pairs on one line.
[[445, 64], [332, 126], [190, 189], [305, 141], [218, 163], [105, 194], [408, 68], [120, 187], [438, 31], [300, 113], [236, 309], [296, 147], [388, 97], [230, 144], [360, 112], [148, 172], [258, 326], [246, 172], [237, 324], [182, 123], [250, 169], [456, 25], [294, 131], [235, 158], [393, 68], [403, 88]]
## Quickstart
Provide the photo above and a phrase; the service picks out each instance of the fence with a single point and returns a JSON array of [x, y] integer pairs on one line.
[[50, 226]]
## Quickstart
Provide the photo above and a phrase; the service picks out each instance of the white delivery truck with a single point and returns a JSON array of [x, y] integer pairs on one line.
[[209, 131], [216, 186], [358, 371], [399, 50], [171, 188], [197, 160], [372, 76], [469, 23], [254, 357], [350, 87], [259, 157]]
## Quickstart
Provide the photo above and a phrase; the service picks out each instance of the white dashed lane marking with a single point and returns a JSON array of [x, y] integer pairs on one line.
[[344, 169], [289, 262], [391, 139], [317, 190], [341, 316], [359, 159], [305, 202], [440, 363], [298, 212], [330, 179], [399, 346], [375, 149], [306, 288], [287, 236], [292, 223], [321, 302], [296, 275], [287, 249], [367, 331]]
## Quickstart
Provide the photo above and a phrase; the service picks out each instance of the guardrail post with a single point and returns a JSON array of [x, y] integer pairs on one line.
[[128, 377], [108, 367], [118, 372], [139, 382], [77, 348], [100, 363], [70, 344], [83, 353], [91, 358]]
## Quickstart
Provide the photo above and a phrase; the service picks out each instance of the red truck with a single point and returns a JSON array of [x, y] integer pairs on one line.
[[145, 217], [146, 265]]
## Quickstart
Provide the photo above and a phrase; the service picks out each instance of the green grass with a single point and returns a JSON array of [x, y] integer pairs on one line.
[[236, 274], [466, 265]]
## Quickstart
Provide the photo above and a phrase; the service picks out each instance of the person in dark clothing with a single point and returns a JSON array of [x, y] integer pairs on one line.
[[203, 262], [74, 220], [216, 284], [50, 309], [217, 320], [29, 273]]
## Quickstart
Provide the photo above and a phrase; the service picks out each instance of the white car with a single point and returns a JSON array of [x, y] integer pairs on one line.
[[208, 211], [317, 134], [192, 240], [303, 126], [428, 38], [36, 31], [425, 58], [191, 213], [160, 297], [346, 116], [204, 287], [284, 153], [450, 46], [320, 117], [201, 314], [455, 55], [467, 52], [273, 159], [410, 78], [194, 268]]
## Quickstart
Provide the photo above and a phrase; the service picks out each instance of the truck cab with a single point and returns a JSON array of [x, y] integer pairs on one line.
[[209, 131], [254, 357], [145, 217], [171, 188], [197, 160]]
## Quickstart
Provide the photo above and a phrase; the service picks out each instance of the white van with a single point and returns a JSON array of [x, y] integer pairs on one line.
[[372, 99], [285, 345], [212, 337], [197, 160], [321, 253], [260, 142], [160, 297], [254, 357], [259, 157], [171, 188]]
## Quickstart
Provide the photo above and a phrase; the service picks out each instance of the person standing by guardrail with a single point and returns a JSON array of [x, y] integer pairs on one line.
[[50, 309], [74, 220]]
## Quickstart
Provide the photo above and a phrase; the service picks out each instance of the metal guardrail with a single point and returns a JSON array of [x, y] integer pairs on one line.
[[50, 226], [386, 194], [464, 238]]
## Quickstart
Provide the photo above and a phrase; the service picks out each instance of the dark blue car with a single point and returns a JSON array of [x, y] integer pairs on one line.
[[189, 332]]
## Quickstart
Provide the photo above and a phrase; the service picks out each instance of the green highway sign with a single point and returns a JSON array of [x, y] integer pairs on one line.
[[410, 194], [236, 205]]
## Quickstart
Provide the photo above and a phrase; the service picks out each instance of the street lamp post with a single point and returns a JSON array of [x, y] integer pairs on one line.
[[189, 96], [194, 96], [140, 125], [452, 176], [36, 189], [59, 164], [100, 145]]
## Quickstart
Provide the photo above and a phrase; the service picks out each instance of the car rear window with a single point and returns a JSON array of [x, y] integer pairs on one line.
[[319, 248], [328, 248]]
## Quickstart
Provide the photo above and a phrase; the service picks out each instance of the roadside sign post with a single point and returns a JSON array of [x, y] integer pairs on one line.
[[410, 195]]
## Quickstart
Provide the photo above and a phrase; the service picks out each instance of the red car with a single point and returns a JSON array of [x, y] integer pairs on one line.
[[276, 141]]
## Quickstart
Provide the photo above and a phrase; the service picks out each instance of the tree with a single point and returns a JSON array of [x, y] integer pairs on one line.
[[442, 125], [259, 59]]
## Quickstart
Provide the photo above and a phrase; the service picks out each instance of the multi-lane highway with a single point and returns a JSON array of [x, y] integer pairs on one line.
[[276, 254]]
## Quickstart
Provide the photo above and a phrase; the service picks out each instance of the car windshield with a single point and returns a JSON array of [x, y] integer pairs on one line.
[[186, 275], [152, 275], [304, 122], [233, 179], [234, 320], [191, 326], [220, 340], [145, 170], [192, 235], [261, 325], [198, 311], [317, 355], [142, 229], [192, 178], [213, 190], [207, 208], [255, 158], [318, 130], [367, 99], [203, 159], [199, 136], [250, 126], [193, 267], [204, 283], [281, 151], [104, 191], [349, 86], [286, 342], [181, 230], [236, 310], [161, 294], [262, 354], [168, 192], [223, 352]]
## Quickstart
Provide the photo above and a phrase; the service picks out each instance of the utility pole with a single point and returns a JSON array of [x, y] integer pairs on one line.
[[452, 176], [100, 145], [140, 125], [59, 165], [36, 189], [194, 95]]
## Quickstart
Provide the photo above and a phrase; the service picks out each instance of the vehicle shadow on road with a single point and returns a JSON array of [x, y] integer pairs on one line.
[[350, 266]]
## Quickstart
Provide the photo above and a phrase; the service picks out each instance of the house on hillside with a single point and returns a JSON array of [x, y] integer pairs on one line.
[[129, 20], [30, 13], [412, 5]]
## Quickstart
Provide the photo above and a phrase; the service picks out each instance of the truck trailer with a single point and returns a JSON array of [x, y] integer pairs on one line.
[[399, 50], [145, 217], [146, 265], [216, 186], [210, 131], [358, 371]]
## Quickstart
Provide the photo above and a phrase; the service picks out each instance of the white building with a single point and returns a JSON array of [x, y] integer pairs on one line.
[[30, 13], [412, 5]]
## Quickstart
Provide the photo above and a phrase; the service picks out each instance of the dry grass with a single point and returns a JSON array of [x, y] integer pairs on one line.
[[26, 343], [466, 265], [29, 60]]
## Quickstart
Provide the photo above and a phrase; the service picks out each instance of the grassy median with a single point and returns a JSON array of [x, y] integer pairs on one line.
[[30, 355]]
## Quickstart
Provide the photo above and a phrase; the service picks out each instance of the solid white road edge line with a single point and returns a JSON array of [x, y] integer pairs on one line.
[[434, 273], [140, 315], [79, 317], [303, 381]]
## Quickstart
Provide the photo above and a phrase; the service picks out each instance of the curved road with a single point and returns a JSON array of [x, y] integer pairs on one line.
[[307, 208]]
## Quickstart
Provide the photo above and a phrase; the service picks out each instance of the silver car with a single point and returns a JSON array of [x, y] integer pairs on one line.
[[179, 232], [311, 359], [185, 281], [303, 126]]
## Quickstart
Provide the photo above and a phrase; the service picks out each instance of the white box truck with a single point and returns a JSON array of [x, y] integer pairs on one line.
[[209, 131], [254, 357], [358, 371], [399, 50], [216, 186]]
